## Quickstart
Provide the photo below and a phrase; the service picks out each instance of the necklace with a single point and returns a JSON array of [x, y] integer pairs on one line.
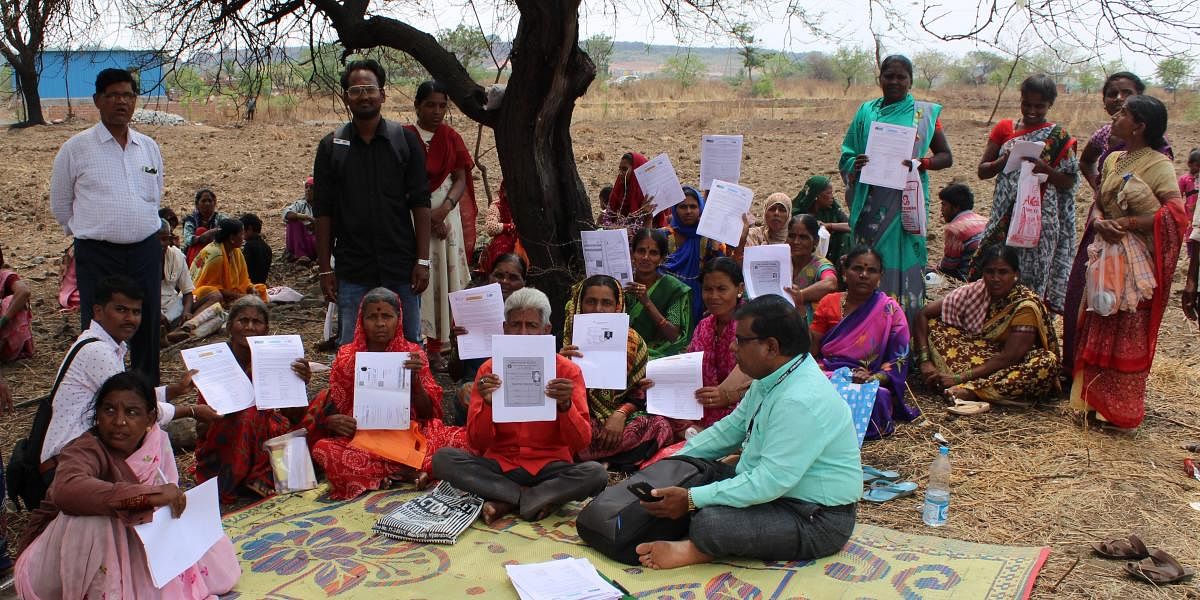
[[1129, 158]]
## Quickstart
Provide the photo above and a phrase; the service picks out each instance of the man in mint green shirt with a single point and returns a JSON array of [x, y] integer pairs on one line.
[[794, 491]]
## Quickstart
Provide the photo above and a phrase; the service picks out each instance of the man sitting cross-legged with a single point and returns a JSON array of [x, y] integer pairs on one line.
[[792, 495], [526, 467]]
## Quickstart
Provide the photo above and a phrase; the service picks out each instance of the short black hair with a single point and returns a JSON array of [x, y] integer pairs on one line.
[[227, 228], [660, 240], [1152, 113], [1194, 155], [958, 195], [201, 192], [772, 316], [722, 264], [999, 251], [369, 64], [251, 222], [1138, 84], [108, 77], [132, 381], [897, 58], [1040, 85], [429, 88], [605, 192], [116, 284]]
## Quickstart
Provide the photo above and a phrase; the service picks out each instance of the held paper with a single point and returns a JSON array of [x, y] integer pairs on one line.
[[275, 384], [723, 211], [524, 363], [173, 545], [767, 270], [479, 310], [220, 379], [601, 338], [382, 390], [676, 379], [720, 158], [888, 146], [606, 252], [658, 178]]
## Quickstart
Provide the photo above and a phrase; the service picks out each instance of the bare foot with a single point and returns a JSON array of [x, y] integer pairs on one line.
[[668, 555], [494, 509], [962, 393], [423, 481], [547, 511]]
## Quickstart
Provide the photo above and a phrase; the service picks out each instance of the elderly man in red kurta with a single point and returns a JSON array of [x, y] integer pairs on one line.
[[525, 467]]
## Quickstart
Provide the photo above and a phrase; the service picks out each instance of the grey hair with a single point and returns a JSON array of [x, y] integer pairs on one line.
[[381, 294], [528, 298], [247, 302]]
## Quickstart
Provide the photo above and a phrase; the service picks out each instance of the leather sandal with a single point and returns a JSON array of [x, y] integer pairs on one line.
[[1159, 568], [1122, 549], [968, 408]]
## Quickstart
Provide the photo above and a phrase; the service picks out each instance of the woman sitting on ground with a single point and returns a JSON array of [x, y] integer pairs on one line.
[[200, 227], [623, 434], [688, 251], [865, 331], [498, 223], [231, 447], [817, 199], [659, 305], [812, 276], [16, 337], [775, 220], [330, 418], [991, 341], [80, 543], [220, 267]]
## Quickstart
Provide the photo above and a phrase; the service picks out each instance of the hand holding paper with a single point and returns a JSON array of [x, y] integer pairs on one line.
[[658, 180], [723, 210]]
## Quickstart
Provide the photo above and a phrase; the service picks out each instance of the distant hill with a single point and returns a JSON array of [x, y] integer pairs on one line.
[[637, 58]]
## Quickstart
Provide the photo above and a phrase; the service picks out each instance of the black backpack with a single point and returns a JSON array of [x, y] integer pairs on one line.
[[24, 476], [397, 137], [614, 522]]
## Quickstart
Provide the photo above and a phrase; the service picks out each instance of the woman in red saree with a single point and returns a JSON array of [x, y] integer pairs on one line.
[[231, 447], [1139, 197], [452, 214], [627, 207], [330, 422], [498, 223]]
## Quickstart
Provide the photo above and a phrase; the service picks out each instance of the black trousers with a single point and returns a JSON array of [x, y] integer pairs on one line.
[[142, 262], [555, 483]]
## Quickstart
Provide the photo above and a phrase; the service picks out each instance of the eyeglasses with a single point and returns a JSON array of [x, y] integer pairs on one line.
[[359, 91], [120, 96], [742, 340]]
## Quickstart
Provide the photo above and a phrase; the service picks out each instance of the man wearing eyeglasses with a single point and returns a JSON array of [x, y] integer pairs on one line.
[[371, 200], [793, 493], [105, 189]]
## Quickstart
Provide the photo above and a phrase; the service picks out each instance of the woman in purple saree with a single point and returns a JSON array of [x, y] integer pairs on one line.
[[865, 330]]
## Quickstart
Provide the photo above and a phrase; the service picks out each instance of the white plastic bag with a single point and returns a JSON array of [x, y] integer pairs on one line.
[[1025, 224], [822, 241], [912, 203], [1105, 271], [291, 464]]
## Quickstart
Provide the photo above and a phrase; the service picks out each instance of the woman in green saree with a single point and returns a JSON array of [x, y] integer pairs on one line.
[[874, 210], [659, 305]]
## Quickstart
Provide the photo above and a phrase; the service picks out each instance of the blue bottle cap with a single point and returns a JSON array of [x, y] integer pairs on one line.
[[944, 450]]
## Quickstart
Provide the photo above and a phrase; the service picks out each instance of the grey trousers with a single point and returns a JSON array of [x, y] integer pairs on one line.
[[555, 483], [783, 529]]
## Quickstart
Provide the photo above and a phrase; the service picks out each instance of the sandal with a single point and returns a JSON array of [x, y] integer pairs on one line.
[[885, 491], [871, 474], [1160, 569], [1122, 549], [968, 408]]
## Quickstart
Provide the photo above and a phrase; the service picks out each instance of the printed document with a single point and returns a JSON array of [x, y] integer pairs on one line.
[[601, 338], [220, 379], [382, 390], [888, 146], [676, 379], [524, 363]]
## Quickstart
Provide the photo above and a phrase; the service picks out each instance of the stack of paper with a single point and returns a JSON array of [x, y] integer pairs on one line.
[[437, 517], [566, 579]]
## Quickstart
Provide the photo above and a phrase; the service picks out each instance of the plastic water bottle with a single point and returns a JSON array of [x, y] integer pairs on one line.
[[937, 494]]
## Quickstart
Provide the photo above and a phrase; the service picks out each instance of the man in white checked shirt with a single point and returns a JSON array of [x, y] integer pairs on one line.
[[105, 190]]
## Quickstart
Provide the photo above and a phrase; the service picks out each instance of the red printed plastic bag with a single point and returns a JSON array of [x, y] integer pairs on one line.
[[912, 203], [1025, 225]]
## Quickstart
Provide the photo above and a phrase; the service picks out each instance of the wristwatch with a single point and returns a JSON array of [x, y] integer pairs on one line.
[[423, 262]]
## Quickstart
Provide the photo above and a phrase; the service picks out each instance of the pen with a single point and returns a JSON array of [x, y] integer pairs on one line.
[[163, 475], [620, 587]]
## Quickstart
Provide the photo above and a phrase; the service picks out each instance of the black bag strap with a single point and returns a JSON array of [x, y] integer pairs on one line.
[[38, 438], [62, 371]]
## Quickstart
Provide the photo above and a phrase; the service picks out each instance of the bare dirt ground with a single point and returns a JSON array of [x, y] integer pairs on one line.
[[1020, 478]]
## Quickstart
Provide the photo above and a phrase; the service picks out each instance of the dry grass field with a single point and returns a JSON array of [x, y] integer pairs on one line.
[[1022, 478]]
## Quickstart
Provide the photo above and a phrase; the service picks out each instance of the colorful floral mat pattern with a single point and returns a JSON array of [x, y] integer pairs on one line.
[[305, 546]]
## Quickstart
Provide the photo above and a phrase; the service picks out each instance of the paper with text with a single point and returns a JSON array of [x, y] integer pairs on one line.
[[657, 178], [720, 158], [524, 363], [173, 545], [1022, 149], [767, 270], [275, 384], [221, 380], [479, 310], [676, 379], [601, 338], [888, 146], [382, 390], [606, 252], [563, 579], [723, 211]]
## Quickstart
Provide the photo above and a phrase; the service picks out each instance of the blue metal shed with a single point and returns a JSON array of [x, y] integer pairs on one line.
[[72, 73]]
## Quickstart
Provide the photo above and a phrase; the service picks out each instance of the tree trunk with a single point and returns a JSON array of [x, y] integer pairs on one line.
[[27, 80], [533, 143]]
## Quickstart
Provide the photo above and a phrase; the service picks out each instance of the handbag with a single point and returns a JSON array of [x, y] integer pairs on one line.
[[1025, 224]]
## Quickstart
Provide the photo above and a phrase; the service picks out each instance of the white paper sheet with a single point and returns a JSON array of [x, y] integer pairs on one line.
[[524, 363], [172, 545], [767, 270], [658, 178], [1022, 149], [676, 379], [564, 579], [330, 315], [275, 384], [221, 379], [720, 158], [723, 210], [479, 310], [606, 252], [382, 390], [888, 146], [601, 338]]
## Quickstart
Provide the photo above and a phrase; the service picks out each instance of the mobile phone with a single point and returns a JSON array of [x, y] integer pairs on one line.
[[642, 490]]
